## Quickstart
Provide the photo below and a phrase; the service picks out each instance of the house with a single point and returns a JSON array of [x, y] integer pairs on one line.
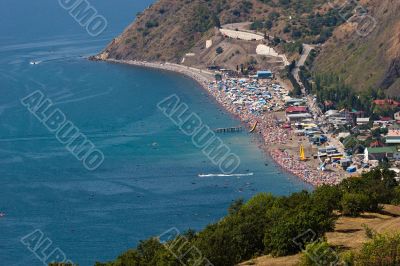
[[376, 144], [390, 152], [387, 102], [338, 118], [362, 121], [357, 114], [332, 113], [295, 102], [293, 118], [393, 136], [296, 110], [264, 74], [383, 121]]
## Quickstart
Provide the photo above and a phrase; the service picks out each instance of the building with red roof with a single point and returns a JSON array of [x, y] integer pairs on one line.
[[296, 110], [387, 102]]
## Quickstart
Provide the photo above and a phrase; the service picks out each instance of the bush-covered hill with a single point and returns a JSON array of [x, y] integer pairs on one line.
[[170, 28], [267, 224]]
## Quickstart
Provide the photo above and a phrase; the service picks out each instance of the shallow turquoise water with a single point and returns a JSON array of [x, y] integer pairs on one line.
[[149, 180]]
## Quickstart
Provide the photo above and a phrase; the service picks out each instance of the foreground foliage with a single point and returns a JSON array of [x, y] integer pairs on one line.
[[319, 254]]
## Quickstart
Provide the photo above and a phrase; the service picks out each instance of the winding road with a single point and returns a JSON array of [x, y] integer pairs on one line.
[[306, 52]]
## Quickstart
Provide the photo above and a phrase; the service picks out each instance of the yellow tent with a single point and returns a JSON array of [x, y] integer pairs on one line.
[[302, 153]]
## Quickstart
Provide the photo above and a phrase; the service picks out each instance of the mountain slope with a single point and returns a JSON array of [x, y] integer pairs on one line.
[[371, 61], [170, 28]]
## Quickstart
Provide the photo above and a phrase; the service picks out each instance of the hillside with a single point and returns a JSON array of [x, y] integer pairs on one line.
[[371, 61], [178, 30], [349, 234], [169, 29]]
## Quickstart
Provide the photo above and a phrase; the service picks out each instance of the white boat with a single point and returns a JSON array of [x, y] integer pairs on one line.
[[34, 62]]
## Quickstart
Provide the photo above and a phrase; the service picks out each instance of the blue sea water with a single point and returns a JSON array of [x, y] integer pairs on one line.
[[149, 180]]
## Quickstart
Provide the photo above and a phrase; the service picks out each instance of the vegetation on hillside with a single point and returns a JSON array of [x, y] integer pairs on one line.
[[268, 224], [369, 60], [170, 28], [306, 19], [382, 249]]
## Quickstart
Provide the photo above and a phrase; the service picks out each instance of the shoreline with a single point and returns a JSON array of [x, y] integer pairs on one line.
[[273, 137]]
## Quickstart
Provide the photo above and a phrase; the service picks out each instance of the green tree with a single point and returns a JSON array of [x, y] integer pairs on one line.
[[354, 204], [328, 197], [289, 218]]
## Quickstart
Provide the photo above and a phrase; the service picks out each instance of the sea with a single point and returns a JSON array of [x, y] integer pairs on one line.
[[153, 177]]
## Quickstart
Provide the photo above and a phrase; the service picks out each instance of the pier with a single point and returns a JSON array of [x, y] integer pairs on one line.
[[228, 130]]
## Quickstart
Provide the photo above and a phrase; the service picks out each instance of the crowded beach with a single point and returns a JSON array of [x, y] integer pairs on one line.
[[262, 100]]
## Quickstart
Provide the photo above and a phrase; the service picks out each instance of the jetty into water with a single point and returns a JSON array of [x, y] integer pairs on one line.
[[228, 130]]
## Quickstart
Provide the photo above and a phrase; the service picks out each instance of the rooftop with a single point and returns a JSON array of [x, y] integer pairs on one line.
[[264, 72], [388, 149], [296, 109], [394, 133], [299, 115], [386, 102]]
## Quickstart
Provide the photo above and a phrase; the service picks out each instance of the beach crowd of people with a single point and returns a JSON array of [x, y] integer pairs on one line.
[[269, 126]]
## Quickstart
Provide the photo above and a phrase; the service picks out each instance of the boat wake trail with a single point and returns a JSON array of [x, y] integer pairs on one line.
[[224, 175]]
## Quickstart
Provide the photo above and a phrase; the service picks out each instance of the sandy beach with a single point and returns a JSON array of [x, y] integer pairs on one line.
[[277, 140]]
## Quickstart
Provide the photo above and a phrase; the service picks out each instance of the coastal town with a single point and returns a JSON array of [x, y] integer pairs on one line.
[[316, 146], [311, 146]]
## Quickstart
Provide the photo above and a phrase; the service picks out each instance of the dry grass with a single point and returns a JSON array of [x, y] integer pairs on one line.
[[349, 234], [269, 261]]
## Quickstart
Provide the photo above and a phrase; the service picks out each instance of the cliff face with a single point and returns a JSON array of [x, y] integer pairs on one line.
[[367, 61]]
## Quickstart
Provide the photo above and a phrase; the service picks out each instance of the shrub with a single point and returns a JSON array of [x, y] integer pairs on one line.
[[396, 196], [369, 233], [382, 250], [319, 254], [347, 258], [353, 204], [151, 24]]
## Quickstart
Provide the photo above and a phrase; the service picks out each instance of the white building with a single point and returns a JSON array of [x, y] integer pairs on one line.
[[362, 121], [298, 117], [393, 136]]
